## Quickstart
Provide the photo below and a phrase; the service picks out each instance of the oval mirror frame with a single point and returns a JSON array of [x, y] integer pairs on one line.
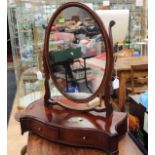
[[105, 83]]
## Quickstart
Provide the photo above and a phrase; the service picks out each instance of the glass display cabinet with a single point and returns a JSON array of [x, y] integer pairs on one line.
[[137, 33], [27, 22]]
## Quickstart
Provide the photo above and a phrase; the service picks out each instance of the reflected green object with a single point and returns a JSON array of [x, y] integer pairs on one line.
[[61, 20], [64, 55]]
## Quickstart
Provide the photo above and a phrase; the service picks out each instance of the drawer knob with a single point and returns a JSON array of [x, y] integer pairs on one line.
[[84, 137], [39, 129]]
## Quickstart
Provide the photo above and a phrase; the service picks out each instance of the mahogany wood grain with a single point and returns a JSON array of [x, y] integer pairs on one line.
[[82, 129], [39, 146]]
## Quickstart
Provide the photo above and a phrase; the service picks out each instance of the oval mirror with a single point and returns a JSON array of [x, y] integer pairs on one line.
[[76, 51]]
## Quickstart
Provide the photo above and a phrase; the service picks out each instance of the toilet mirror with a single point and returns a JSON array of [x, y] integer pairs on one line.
[[76, 52]]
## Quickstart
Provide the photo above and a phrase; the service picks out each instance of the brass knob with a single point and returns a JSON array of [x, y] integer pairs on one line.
[[84, 137]]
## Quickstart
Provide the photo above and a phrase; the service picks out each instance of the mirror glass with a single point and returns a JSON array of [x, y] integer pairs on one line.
[[76, 53]]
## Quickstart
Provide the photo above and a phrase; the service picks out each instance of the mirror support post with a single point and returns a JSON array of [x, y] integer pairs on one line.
[[47, 95], [111, 24], [108, 104], [47, 92]]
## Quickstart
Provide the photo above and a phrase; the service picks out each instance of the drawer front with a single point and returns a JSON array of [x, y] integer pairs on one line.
[[39, 128], [82, 137]]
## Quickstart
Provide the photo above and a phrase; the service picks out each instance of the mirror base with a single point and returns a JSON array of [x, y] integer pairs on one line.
[[82, 129], [94, 105]]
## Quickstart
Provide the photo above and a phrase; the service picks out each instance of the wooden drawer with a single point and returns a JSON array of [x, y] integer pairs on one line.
[[40, 128], [80, 137]]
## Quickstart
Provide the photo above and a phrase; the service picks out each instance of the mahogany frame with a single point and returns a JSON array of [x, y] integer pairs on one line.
[[104, 88]]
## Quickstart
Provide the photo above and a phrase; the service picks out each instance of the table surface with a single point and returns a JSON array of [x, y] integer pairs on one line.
[[125, 63], [123, 69], [39, 146]]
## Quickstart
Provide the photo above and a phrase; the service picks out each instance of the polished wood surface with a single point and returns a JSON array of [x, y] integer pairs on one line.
[[39, 146], [94, 105], [126, 62], [82, 129], [123, 69]]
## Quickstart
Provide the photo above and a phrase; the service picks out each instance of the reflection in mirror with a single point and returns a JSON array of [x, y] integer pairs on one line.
[[76, 54]]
